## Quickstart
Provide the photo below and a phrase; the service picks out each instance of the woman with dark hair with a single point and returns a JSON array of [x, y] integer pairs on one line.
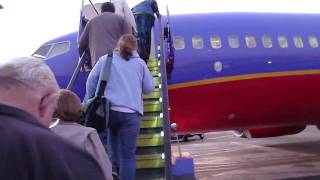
[[129, 79], [69, 112]]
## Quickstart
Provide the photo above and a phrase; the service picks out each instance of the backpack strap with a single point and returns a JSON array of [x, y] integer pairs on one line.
[[104, 76]]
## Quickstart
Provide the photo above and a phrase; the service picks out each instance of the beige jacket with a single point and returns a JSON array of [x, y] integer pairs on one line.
[[87, 139]]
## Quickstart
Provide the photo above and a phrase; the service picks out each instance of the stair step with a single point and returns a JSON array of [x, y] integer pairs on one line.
[[156, 81], [153, 64], [152, 161], [155, 69], [151, 122], [149, 140], [152, 106], [156, 94], [155, 73], [154, 174]]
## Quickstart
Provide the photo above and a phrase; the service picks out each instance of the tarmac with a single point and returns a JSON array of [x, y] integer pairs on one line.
[[221, 155]]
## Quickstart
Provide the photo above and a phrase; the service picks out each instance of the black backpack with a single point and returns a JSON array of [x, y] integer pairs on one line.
[[96, 109]]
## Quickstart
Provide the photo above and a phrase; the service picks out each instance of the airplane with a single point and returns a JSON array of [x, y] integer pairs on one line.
[[257, 74]]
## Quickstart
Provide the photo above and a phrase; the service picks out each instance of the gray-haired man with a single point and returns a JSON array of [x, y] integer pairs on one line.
[[28, 149]]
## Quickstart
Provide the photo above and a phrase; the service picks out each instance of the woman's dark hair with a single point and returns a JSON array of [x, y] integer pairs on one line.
[[126, 45], [108, 7], [69, 107]]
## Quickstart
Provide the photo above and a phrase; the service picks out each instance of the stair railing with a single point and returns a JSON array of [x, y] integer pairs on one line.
[[165, 103]]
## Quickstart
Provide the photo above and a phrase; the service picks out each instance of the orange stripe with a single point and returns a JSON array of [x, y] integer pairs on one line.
[[243, 77]]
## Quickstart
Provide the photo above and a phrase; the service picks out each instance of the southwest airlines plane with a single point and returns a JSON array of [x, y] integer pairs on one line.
[[255, 73]]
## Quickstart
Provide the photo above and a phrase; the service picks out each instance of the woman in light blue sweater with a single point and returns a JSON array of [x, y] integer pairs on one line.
[[129, 79]]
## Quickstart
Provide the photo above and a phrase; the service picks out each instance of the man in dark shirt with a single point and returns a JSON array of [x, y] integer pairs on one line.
[[28, 149], [144, 16], [102, 33]]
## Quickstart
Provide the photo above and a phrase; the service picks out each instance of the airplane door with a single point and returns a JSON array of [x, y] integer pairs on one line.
[[88, 11], [169, 46], [81, 72]]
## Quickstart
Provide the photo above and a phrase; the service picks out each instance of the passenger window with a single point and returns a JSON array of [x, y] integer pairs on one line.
[[178, 43], [42, 52], [233, 41], [283, 42], [251, 42], [59, 48], [298, 41], [313, 41], [197, 42], [267, 41], [215, 42]]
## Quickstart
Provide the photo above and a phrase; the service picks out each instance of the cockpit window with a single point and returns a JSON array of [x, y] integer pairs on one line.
[[178, 43], [59, 48], [42, 52]]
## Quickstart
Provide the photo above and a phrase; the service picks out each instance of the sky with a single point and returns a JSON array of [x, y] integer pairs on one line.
[[26, 24]]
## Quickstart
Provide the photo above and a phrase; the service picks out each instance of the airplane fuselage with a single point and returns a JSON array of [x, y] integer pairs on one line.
[[270, 77], [233, 70]]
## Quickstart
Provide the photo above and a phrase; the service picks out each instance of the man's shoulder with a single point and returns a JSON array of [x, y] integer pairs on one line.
[[24, 125], [28, 131], [109, 16], [27, 143]]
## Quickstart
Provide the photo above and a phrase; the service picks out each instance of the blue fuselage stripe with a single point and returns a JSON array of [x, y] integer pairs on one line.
[[198, 64]]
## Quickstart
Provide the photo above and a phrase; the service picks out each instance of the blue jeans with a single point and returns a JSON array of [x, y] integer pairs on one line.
[[124, 129], [104, 139], [145, 23]]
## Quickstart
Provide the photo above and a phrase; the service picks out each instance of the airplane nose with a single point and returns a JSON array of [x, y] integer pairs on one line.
[[1, 7]]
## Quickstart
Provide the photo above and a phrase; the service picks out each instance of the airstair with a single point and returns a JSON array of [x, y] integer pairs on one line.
[[153, 144]]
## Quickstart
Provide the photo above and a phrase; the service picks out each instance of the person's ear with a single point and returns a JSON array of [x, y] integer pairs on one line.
[[47, 107]]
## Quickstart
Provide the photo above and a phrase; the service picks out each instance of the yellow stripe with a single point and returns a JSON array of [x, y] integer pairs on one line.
[[243, 77]]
